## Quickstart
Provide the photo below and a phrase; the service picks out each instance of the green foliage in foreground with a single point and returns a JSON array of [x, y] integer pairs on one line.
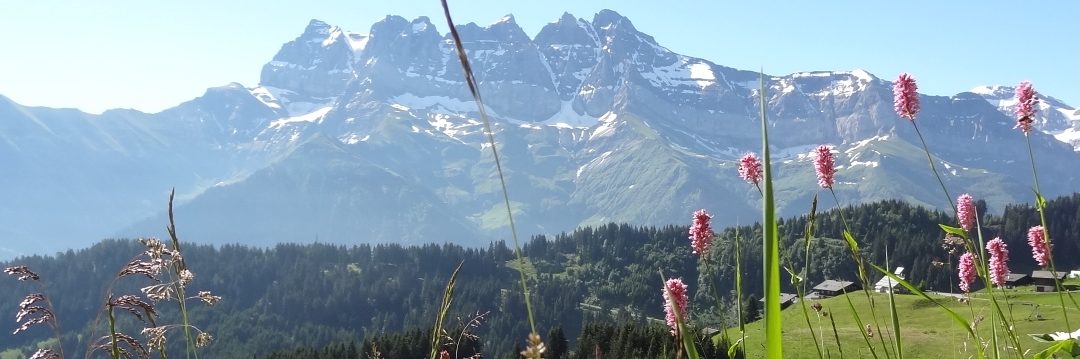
[[598, 339], [313, 295], [927, 332]]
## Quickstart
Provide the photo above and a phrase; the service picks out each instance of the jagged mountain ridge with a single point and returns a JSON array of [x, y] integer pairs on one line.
[[596, 122], [1054, 116]]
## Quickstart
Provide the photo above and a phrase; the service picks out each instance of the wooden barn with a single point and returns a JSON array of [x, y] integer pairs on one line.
[[786, 299], [1044, 280], [832, 288], [1017, 279]]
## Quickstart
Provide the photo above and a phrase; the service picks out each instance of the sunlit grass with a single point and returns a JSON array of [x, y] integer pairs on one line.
[[927, 332]]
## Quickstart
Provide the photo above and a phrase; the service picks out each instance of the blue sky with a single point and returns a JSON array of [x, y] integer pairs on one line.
[[152, 55]]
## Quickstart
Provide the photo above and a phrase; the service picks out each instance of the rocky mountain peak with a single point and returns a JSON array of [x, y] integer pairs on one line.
[[318, 63], [596, 120], [423, 25], [1053, 115], [316, 29], [609, 20]]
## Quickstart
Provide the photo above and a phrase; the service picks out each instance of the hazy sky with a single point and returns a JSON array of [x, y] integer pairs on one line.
[[151, 55]]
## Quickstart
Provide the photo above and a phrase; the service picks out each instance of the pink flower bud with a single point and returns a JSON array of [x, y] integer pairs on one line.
[[906, 97]]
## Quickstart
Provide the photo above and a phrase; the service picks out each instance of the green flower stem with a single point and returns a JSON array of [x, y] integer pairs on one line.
[[115, 349], [933, 168], [860, 263], [178, 267], [801, 287], [983, 268], [738, 289], [1016, 339], [1040, 205]]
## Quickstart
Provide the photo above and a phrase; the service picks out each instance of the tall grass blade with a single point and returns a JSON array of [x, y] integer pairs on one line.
[[444, 308], [738, 290], [898, 348], [1067, 346], [800, 287], [836, 335], [179, 266], [470, 79], [774, 336], [955, 317], [861, 326]]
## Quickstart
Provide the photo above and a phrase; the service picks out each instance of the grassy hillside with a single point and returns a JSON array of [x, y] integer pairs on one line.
[[926, 331]]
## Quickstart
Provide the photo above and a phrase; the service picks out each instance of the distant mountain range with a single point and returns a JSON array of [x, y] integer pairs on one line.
[[373, 137]]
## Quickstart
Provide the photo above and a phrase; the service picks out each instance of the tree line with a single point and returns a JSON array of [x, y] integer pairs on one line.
[[304, 299]]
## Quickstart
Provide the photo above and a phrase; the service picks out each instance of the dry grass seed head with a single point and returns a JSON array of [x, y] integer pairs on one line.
[[952, 244], [151, 269], [374, 353], [155, 248], [203, 339], [155, 337], [208, 298], [21, 273], [45, 353], [31, 314], [127, 345], [134, 305], [186, 277], [158, 292], [535, 348]]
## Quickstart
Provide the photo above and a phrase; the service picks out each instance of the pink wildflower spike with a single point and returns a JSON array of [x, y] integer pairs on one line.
[[999, 261], [750, 168], [1026, 105], [966, 269], [701, 234], [1040, 249], [825, 166], [678, 295], [965, 211], [906, 97]]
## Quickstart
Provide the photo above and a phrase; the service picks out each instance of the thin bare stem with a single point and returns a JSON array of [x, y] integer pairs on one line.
[[1040, 206], [115, 349], [933, 168], [475, 91], [178, 267], [859, 262], [738, 288]]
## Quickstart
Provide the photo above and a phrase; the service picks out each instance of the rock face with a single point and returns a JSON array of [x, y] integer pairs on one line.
[[1053, 116], [318, 63], [374, 137]]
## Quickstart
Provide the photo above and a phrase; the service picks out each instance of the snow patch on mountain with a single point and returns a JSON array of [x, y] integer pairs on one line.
[[567, 117], [858, 145], [410, 101], [272, 97], [595, 162], [452, 127], [335, 34], [681, 73], [1053, 117], [1070, 136], [854, 160], [843, 84], [315, 115], [953, 170], [702, 73], [799, 152], [353, 138], [357, 42], [606, 128]]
